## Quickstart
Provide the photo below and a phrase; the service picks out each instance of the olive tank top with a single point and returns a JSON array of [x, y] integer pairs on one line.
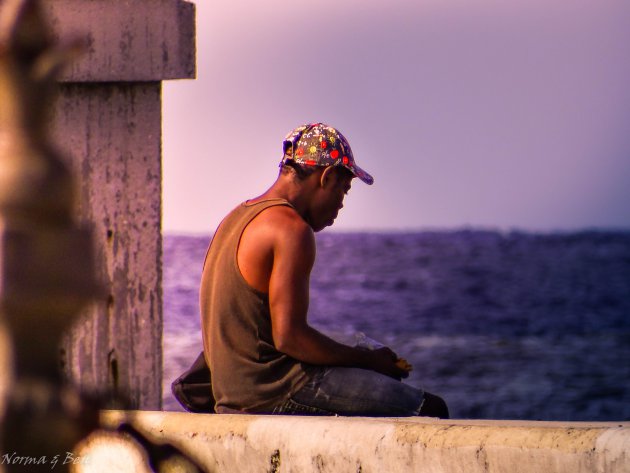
[[248, 373]]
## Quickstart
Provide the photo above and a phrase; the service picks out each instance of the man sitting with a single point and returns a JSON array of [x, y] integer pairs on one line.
[[263, 355]]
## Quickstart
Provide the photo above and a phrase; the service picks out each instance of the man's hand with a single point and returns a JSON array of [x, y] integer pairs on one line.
[[385, 361]]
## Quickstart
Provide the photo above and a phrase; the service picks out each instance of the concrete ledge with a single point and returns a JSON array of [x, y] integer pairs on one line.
[[228, 443], [138, 41]]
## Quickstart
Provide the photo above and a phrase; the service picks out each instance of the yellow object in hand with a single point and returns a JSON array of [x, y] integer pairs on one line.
[[403, 364]]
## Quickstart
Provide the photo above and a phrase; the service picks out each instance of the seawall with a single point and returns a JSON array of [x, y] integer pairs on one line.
[[233, 443]]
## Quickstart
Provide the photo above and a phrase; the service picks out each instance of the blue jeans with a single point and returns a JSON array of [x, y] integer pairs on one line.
[[353, 392]]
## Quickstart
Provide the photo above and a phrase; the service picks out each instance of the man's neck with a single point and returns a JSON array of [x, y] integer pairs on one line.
[[298, 194]]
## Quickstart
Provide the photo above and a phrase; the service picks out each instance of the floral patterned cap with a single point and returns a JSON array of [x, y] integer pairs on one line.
[[318, 144]]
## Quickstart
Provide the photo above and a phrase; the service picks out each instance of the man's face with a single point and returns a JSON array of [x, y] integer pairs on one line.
[[329, 200]]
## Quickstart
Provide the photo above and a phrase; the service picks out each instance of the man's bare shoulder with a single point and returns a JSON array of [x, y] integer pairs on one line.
[[277, 237], [283, 229], [283, 219], [276, 225]]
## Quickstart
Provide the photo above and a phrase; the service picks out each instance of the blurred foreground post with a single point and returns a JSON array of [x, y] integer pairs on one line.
[[46, 264], [109, 114]]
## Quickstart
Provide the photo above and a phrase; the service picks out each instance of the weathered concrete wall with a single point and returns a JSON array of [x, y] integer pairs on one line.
[[127, 41], [226, 443], [108, 123], [113, 134]]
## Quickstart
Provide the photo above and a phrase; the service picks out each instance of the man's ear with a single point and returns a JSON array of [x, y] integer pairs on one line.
[[327, 176]]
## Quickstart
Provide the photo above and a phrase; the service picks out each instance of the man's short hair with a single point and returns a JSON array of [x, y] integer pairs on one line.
[[300, 171]]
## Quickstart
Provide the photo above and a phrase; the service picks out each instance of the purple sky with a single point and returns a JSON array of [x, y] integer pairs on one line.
[[493, 113]]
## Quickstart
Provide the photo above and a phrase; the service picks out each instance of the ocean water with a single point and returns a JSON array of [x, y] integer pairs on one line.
[[502, 325]]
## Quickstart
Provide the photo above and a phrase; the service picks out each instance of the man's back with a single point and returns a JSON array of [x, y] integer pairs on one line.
[[248, 372]]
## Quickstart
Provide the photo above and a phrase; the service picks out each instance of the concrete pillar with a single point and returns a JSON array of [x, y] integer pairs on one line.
[[108, 121]]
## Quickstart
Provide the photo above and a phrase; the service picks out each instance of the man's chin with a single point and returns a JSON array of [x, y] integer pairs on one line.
[[319, 228]]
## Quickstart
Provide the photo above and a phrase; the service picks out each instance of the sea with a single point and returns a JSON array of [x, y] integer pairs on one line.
[[502, 325]]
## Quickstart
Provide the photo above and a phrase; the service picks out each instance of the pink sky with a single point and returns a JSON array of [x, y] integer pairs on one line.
[[468, 113]]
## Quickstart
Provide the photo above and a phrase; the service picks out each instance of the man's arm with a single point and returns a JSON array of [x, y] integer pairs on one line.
[[293, 259]]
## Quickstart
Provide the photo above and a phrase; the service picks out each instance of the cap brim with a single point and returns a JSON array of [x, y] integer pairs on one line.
[[361, 174]]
